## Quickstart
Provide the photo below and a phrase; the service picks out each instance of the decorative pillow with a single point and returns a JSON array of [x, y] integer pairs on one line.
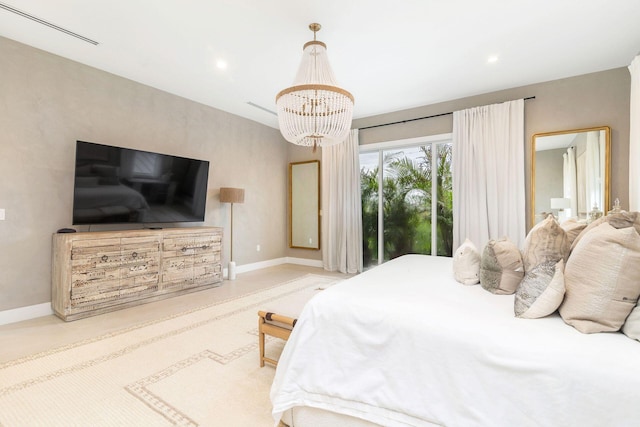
[[501, 267], [546, 242], [617, 220], [631, 326], [585, 230], [573, 228], [602, 279], [466, 264], [624, 219], [541, 291]]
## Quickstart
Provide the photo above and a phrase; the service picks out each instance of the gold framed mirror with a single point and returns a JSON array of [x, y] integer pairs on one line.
[[570, 173], [304, 205]]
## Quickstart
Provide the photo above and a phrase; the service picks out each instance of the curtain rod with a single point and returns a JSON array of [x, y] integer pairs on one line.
[[421, 118]]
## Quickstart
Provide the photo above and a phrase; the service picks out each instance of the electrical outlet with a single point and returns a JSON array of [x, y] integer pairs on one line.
[[258, 248], [1, 214]]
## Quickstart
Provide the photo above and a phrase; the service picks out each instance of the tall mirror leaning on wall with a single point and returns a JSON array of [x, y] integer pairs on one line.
[[304, 205], [570, 174]]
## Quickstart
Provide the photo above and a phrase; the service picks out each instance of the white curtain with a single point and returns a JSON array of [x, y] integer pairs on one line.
[[488, 174], [341, 206], [595, 170], [570, 190], [634, 137]]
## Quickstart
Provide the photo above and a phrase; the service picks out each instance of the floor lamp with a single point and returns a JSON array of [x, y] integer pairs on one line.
[[231, 195]]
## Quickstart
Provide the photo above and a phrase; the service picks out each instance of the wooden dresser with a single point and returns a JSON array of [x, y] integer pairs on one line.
[[97, 272]]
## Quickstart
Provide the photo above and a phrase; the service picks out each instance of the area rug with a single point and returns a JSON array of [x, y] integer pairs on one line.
[[197, 368]]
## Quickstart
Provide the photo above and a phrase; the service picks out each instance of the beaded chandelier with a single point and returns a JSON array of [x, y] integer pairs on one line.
[[314, 111]]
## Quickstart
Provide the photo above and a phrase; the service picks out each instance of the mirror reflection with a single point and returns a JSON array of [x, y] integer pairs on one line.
[[304, 205], [570, 174]]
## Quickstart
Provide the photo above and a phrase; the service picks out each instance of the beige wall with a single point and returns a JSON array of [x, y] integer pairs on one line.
[[597, 99], [47, 103]]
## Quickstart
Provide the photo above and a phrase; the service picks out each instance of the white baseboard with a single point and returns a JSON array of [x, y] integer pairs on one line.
[[44, 309], [273, 262], [260, 265], [25, 313], [305, 261]]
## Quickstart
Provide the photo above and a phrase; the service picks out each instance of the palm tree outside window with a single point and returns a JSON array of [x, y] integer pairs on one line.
[[406, 199]]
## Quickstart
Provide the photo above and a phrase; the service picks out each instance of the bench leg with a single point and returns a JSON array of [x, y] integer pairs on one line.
[[261, 340]]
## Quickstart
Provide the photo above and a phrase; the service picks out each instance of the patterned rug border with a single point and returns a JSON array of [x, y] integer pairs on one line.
[[140, 390], [35, 356], [121, 352]]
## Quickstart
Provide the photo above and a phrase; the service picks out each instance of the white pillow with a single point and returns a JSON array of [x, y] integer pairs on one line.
[[631, 327], [466, 264]]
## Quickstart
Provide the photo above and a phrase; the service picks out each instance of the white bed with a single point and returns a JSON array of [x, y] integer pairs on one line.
[[404, 344]]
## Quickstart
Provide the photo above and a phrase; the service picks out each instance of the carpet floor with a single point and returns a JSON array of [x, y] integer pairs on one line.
[[196, 368]]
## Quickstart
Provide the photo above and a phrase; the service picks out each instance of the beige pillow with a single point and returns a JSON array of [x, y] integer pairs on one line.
[[602, 279], [585, 230], [631, 327], [617, 220], [466, 264], [541, 291], [546, 242], [624, 219], [501, 267], [573, 228]]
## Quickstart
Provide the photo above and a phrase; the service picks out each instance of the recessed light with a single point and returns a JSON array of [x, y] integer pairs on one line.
[[492, 59], [221, 64]]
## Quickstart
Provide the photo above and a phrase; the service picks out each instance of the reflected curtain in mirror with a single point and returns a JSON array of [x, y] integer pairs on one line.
[[572, 165], [304, 205]]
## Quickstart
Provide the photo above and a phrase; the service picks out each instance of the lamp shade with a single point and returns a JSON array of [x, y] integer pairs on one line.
[[560, 203], [231, 195]]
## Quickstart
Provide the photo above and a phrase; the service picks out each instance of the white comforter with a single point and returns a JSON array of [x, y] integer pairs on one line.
[[405, 344]]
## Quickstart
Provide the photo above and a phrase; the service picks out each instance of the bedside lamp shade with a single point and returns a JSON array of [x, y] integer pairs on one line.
[[231, 195], [560, 203]]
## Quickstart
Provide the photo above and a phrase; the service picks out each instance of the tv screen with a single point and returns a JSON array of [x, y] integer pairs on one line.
[[122, 185]]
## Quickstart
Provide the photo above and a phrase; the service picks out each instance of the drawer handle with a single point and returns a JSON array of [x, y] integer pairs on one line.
[[134, 255], [184, 249], [205, 247], [104, 258]]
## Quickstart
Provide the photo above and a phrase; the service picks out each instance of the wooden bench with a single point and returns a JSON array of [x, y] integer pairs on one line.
[[279, 319], [276, 325]]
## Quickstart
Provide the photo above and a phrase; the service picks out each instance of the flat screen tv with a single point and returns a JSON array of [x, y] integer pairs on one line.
[[121, 185]]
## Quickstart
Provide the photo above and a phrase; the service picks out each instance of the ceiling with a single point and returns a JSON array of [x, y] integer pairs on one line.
[[391, 55]]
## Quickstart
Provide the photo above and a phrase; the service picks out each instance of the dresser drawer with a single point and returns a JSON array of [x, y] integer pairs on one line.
[[191, 244], [81, 276], [143, 267], [135, 250], [96, 258], [139, 285], [209, 273], [94, 292]]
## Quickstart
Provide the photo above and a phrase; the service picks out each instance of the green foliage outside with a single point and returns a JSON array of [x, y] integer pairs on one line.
[[407, 205]]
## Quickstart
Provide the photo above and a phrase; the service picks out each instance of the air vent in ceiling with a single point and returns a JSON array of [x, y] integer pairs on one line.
[[47, 23], [262, 108]]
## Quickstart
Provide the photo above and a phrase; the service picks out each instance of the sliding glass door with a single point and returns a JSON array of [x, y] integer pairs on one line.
[[406, 200]]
